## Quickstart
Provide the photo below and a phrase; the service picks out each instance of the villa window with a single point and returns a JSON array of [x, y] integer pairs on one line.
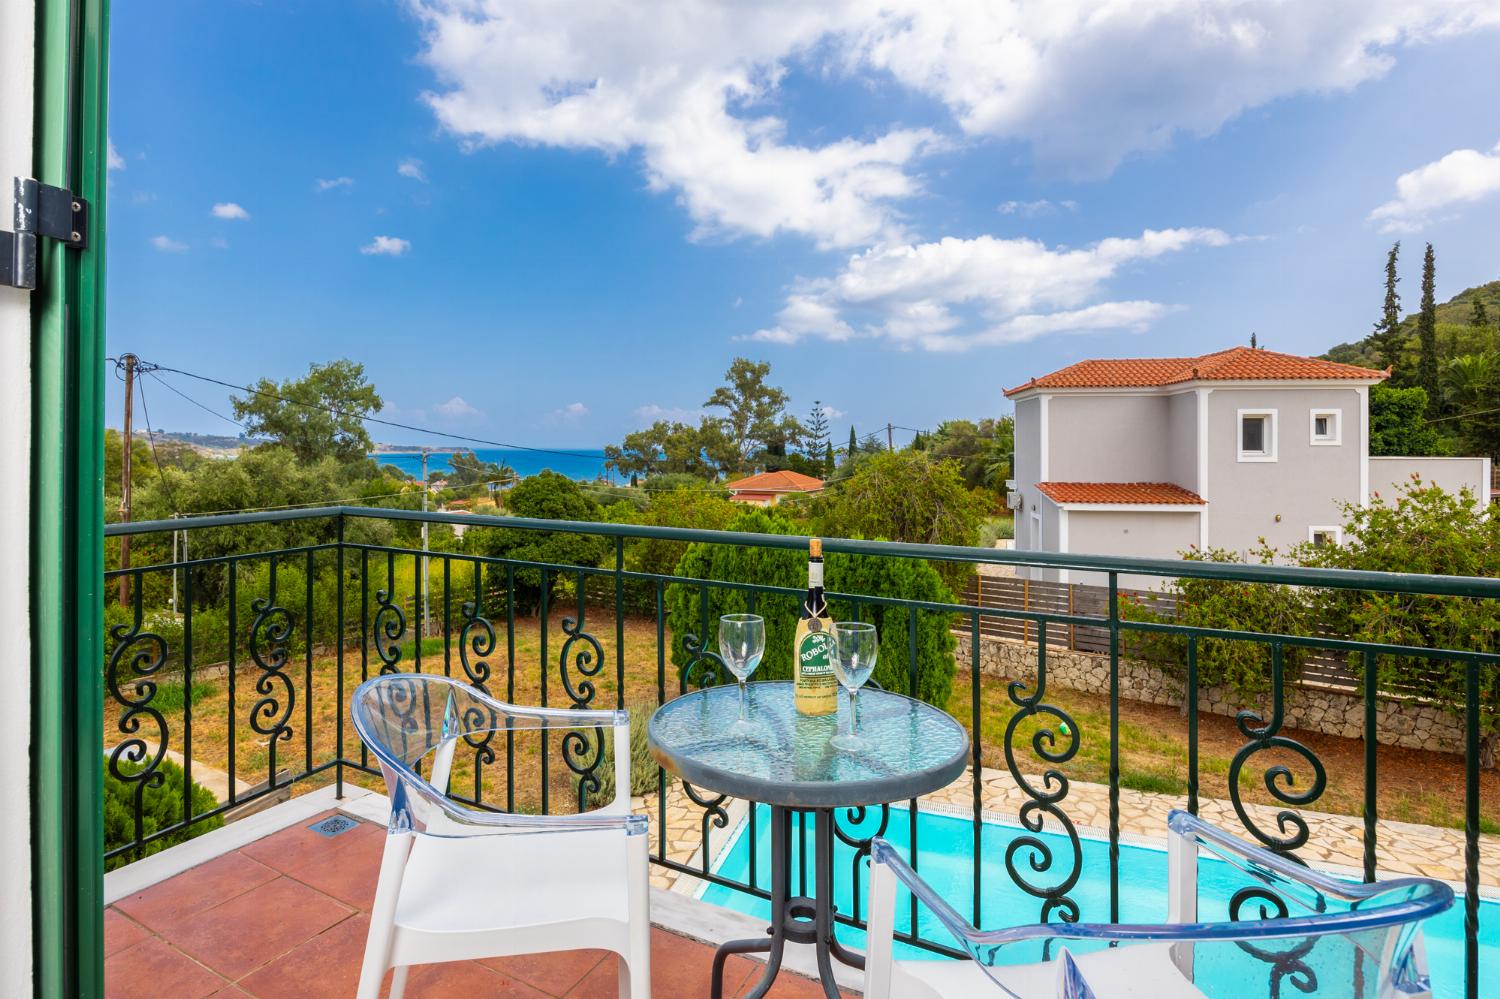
[[1323, 536], [1326, 430], [1257, 435]]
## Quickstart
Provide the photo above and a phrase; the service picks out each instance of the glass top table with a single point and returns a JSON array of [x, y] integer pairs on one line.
[[917, 749], [788, 764]]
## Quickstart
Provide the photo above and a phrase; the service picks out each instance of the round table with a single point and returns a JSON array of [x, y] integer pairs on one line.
[[915, 749]]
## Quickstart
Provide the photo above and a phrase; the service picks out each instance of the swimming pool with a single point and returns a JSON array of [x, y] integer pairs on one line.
[[945, 861]]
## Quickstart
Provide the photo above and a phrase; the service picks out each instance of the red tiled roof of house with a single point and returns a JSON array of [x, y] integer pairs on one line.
[[1234, 364], [784, 481], [1120, 492]]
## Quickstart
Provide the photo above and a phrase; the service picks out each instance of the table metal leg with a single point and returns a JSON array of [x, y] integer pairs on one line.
[[781, 875], [799, 919]]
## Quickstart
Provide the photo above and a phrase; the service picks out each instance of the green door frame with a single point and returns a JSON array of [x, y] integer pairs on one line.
[[67, 510]]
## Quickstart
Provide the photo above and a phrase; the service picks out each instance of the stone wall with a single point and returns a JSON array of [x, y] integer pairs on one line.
[[1399, 722]]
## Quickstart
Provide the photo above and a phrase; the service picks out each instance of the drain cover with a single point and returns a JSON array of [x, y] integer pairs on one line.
[[333, 825]]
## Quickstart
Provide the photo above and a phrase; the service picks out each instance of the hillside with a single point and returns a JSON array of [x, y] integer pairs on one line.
[[1452, 327]]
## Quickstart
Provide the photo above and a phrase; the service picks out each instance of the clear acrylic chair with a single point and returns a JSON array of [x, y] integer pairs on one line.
[[459, 883], [1316, 935]]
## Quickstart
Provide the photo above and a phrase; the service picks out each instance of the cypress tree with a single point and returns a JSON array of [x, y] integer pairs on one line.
[[1386, 337], [1478, 317], [1427, 361], [1254, 343], [853, 442], [827, 459]]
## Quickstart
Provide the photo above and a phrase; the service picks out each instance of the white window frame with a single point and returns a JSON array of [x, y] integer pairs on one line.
[[1336, 422], [1271, 435], [1334, 532]]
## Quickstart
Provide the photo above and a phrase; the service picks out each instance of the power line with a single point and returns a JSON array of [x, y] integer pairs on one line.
[[172, 388], [373, 419]]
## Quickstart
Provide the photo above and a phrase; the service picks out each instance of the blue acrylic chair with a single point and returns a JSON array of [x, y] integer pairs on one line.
[[459, 883], [1317, 936]]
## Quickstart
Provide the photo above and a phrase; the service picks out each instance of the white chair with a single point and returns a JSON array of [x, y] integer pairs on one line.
[[458, 883], [1359, 940]]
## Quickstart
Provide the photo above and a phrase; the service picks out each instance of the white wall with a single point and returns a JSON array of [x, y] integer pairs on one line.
[[16, 73], [1388, 475]]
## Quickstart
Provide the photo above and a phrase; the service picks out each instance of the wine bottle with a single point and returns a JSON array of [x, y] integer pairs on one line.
[[816, 688]]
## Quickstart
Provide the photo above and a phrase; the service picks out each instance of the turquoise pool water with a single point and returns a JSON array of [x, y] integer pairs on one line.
[[946, 861]]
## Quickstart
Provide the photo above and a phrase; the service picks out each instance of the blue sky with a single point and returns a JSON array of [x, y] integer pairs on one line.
[[903, 210]]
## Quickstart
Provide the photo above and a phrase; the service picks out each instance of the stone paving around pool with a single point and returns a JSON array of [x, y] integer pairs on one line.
[[1336, 840]]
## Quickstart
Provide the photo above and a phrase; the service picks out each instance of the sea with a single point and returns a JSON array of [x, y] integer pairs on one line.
[[584, 464]]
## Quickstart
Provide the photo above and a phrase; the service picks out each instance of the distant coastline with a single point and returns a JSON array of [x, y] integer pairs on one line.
[[584, 464]]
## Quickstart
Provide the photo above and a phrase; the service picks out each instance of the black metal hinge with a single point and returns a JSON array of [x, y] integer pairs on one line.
[[41, 212]]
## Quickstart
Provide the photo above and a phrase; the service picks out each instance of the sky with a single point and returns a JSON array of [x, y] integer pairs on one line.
[[550, 224]]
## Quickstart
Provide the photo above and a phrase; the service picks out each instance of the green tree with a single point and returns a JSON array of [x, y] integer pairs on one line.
[[547, 495], [816, 437], [853, 444], [982, 450], [465, 469], [1427, 359], [671, 448], [1398, 423], [1478, 317], [827, 459], [1387, 336], [319, 415], [901, 578], [904, 496], [755, 417]]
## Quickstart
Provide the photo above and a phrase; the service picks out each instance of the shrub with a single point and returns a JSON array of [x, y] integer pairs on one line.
[[642, 763], [546, 496], [161, 807], [1426, 530], [869, 575], [1241, 665]]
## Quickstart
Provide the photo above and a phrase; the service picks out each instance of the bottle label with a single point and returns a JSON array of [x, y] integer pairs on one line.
[[815, 660], [814, 574]]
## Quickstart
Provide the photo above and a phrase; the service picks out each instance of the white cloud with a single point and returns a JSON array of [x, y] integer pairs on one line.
[[167, 244], [684, 85], [412, 168], [329, 184], [114, 160], [1036, 209], [959, 293], [1087, 84], [651, 412], [387, 246], [831, 413], [691, 87], [572, 411], [230, 210], [457, 408], [1461, 177]]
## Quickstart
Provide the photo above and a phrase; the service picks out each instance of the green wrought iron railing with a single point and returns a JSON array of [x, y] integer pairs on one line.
[[243, 660]]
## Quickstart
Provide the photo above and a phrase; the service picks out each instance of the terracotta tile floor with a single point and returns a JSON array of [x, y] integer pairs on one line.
[[286, 917]]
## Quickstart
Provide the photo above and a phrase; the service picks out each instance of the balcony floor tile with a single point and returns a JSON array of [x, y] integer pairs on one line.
[[287, 916], [152, 969], [255, 928]]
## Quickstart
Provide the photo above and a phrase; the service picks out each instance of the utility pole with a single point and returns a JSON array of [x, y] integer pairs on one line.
[[890, 437], [425, 452], [128, 362]]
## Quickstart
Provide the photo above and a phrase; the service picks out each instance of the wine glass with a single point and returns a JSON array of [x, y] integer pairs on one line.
[[742, 643], [855, 649]]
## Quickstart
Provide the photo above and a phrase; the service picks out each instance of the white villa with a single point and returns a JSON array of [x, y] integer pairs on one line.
[[1151, 456]]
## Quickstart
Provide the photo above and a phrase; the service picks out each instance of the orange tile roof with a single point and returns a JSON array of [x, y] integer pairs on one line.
[[1120, 492], [785, 481], [1234, 364]]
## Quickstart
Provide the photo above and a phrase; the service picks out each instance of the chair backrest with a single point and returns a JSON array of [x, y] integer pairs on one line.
[[1361, 937], [405, 718]]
